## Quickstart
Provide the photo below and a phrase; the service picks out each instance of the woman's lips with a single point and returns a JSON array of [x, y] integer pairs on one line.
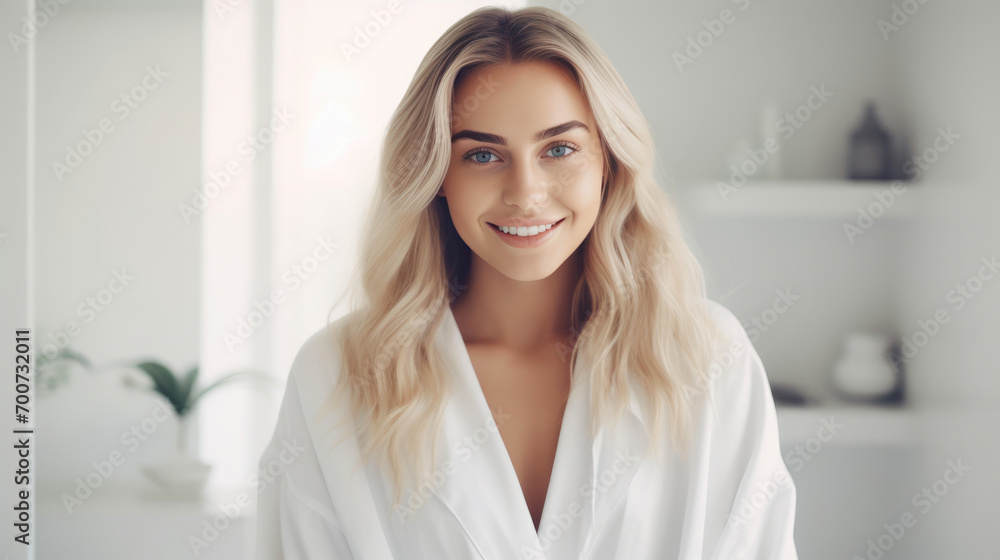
[[528, 240]]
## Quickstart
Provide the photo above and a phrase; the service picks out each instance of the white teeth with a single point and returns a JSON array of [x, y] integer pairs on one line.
[[526, 231]]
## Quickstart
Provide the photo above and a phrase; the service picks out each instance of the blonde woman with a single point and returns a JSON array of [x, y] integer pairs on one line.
[[531, 369]]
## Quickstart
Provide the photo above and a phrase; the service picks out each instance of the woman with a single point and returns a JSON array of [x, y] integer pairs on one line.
[[531, 321]]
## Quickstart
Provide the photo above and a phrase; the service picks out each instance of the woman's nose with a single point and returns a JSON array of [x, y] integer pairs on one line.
[[527, 186]]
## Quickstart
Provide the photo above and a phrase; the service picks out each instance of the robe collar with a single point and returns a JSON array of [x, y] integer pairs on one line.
[[589, 476]]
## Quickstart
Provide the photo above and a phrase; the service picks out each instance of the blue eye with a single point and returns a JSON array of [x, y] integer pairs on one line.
[[482, 157], [485, 156], [560, 150]]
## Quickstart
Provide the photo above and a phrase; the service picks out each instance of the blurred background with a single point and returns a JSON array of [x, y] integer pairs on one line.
[[183, 182]]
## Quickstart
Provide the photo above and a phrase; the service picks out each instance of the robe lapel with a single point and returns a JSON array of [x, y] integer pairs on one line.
[[480, 487], [590, 476]]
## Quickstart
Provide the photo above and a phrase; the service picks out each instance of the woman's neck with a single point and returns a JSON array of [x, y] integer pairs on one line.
[[519, 315]]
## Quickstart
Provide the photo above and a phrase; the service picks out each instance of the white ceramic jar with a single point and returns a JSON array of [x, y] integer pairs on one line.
[[864, 371]]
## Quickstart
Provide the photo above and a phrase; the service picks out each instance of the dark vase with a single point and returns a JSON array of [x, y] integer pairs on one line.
[[869, 156]]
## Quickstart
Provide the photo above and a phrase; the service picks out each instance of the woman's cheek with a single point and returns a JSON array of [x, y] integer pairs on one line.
[[582, 186]]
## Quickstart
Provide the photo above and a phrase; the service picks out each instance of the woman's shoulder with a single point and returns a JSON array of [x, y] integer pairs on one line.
[[737, 374], [310, 385], [749, 489], [297, 467], [314, 375], [724, 318], [316, 365]]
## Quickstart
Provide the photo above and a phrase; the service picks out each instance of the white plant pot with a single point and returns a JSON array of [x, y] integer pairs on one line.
[[180, 473]]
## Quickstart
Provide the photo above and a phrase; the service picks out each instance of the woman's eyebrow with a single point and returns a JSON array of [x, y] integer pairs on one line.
[[539, 136]]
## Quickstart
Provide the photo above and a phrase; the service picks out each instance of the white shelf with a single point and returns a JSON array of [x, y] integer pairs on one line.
[[854, 425], [838, 199]]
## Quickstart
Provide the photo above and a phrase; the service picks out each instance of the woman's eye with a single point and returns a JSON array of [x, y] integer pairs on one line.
[[561, 151], [485, 157], [482, 157]]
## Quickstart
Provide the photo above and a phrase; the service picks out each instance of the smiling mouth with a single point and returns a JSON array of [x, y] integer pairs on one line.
[[554, 224]]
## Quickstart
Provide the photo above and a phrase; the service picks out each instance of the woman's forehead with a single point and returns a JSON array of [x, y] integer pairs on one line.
[[518, 100]]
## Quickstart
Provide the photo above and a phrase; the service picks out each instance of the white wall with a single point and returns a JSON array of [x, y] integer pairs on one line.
[[116, 210], [947, 59]]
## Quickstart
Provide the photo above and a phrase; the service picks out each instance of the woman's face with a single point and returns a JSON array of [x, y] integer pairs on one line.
[[525, 151]]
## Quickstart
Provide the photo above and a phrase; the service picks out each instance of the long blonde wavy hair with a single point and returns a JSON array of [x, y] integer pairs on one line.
[[639, 306]]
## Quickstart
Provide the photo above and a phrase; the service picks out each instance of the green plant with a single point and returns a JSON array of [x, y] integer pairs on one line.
[[48, 375], [179, 390]]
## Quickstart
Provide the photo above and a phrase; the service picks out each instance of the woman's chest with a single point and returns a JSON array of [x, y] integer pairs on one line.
[[527, 396]]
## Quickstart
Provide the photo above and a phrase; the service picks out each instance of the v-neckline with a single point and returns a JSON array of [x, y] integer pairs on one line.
[[508, 466], [586, 485]]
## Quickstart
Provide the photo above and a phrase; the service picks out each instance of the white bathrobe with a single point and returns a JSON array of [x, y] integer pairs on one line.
[[607, 499]]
